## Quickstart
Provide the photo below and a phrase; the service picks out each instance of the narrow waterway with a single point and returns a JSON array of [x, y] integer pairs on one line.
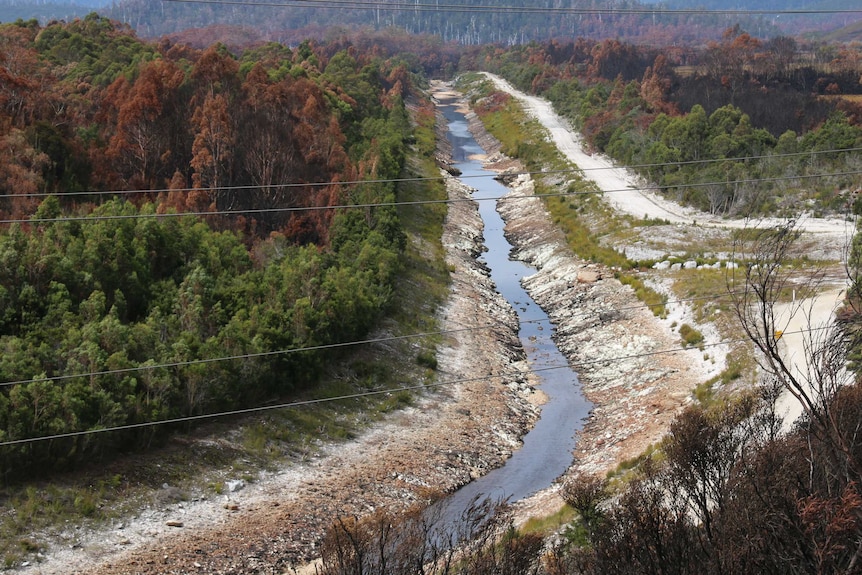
[[547, 449]]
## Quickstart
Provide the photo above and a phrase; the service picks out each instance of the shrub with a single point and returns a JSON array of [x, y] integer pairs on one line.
[[690, 336]]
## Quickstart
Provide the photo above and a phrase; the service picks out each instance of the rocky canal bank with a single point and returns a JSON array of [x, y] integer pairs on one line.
[[613, 341]]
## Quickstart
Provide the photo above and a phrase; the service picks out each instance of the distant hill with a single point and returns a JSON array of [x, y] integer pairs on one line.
[[517, 21], [847, 34], [787, 23], [12, 10]]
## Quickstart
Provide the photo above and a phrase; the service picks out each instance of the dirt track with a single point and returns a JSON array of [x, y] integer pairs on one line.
[[628, 195]]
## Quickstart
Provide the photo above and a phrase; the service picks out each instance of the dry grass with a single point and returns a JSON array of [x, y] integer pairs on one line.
[[853, 98]]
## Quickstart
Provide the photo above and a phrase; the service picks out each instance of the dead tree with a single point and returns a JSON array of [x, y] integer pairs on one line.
[[762, 281]]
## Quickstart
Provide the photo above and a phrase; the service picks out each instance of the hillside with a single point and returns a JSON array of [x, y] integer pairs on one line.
[[835, 14], [516, 21], [111, 299], [44, 11], [845, 35]]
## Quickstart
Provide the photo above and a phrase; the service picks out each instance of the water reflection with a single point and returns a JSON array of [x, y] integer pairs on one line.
[[547, 449]]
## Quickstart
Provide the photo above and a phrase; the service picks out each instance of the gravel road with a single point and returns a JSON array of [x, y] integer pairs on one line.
[[627, 194]]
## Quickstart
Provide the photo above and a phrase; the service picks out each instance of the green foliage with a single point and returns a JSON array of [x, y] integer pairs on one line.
[[94, 50], [119, 292], [427, 359], [653, 299], [134, 286], [707, 392], [690, 336], [616, 118]]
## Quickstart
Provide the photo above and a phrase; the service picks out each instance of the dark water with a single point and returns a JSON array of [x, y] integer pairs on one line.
[[547, 449]]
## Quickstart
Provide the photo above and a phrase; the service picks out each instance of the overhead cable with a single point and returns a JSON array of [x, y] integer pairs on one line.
[[253, 211], [260, 409], [509, 9], [289, 185], [151, 367]]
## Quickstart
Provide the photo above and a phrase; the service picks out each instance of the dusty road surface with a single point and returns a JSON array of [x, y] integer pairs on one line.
[[803, 326], [627, 194]]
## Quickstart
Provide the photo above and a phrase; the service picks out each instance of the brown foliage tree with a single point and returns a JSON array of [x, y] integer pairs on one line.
[[216, 71], [656, 84], [21, 169], [413, 542], [19, 76], [145, 112], [267, 145], [212, 150]]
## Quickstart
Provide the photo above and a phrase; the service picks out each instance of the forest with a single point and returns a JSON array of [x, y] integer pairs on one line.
[[469, 24], [225, 233], [162, 206], [506, 23]]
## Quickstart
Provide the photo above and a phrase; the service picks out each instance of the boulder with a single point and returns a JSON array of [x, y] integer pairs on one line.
[[588, 276]]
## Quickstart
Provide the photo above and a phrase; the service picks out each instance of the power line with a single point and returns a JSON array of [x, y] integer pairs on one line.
[[575, 169], [496, 10], [256, 355], [150, 367], [252, 211], [264, 408]]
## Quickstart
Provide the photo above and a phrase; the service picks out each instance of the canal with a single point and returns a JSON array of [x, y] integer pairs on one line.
[[547, 449]]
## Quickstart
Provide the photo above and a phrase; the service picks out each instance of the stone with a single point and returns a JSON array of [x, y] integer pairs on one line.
[[588, 277]]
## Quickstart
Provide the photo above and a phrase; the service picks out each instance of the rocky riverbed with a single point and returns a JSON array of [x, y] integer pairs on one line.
[[454, 433]]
